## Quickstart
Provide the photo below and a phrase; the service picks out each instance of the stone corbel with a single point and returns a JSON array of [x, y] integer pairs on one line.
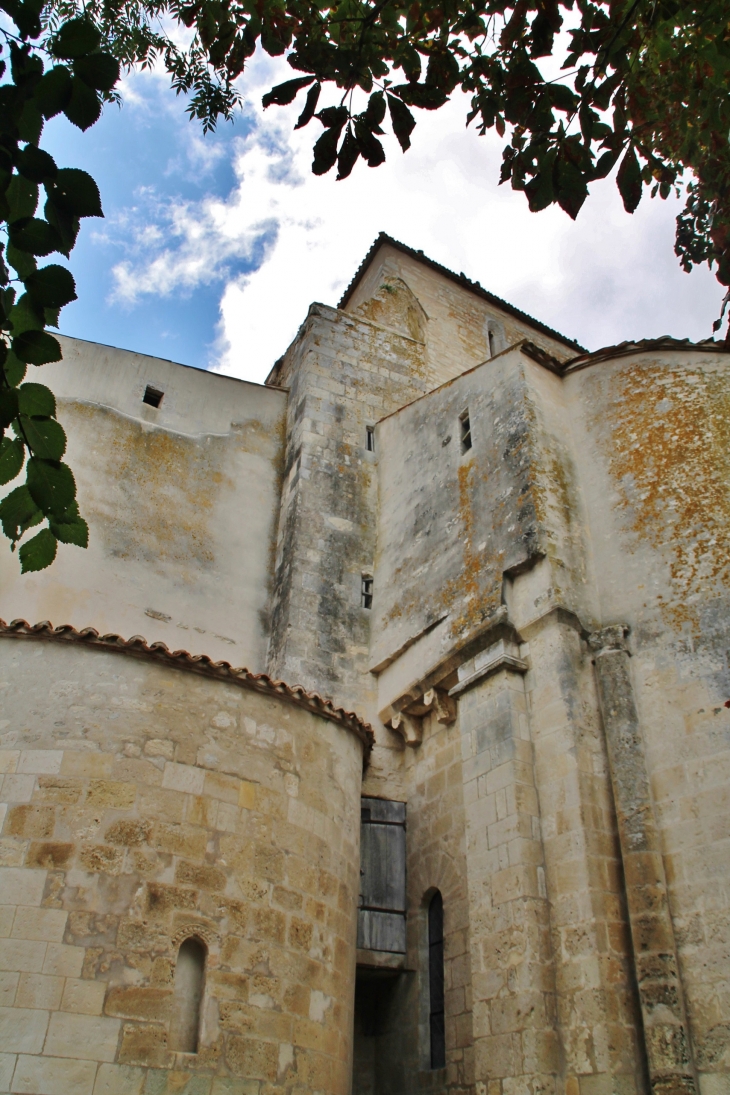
[[441, 704], [410, 727]]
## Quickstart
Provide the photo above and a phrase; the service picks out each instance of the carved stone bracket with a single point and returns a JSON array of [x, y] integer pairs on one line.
[[410, 727], [409, 723], [441, 704]]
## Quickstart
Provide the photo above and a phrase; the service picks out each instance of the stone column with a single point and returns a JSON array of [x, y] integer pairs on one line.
[[515, 1038], [655, 953]]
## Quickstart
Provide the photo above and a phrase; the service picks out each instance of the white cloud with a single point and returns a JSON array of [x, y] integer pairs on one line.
[[606, 277]]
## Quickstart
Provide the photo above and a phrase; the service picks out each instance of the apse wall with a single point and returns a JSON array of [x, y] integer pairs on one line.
[[146, 805]]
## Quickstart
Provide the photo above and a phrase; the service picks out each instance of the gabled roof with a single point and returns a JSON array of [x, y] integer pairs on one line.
[[459, 279]]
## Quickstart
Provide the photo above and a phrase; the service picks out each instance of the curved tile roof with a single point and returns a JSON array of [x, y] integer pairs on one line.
[[137, 646]]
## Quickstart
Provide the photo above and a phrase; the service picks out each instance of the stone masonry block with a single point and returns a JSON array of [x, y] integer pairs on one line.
[[18, 788], [144, 1045], [33, 923], [111, 794], [30, 820], [8, 987], [37, 990], [86, 765], [7, 1068], [119, 1080], [19, 886], [83, 997], [22, 1030], [184, 777], [49, 1076], [22, 955], [43, 762], [87, 1037], [63, 960], [9, 761]]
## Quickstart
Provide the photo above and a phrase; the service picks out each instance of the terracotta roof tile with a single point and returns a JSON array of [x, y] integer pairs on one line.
[[625, 349], [195, 663]]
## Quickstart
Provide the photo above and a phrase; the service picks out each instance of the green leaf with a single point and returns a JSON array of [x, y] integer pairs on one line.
[[628, 180], [53, 91], [35, 164], [21, 261], [45, 437], [310, 106], [35, 236], [348, 154], [25, 316], [37, 348], [98, 70], [375, 111], [8, 406], [51, 286], [38, 553], [14, 369], [286, 92], [325, 151], [75, 39], [18, 512], [65, 224], [36, 399], [30, 123], [71, 528], [22, 198], [84, 106], [51, 485], [12, 454], [76, 192], [25, 17], [51, 316]]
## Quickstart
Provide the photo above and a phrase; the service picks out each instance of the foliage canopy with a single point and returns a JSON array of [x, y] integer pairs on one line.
[[643, 84]]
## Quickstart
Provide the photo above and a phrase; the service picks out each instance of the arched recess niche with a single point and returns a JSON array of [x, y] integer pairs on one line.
[[189, 990]]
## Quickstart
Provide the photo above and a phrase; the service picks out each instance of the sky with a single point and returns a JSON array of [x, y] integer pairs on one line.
[[213, 247]]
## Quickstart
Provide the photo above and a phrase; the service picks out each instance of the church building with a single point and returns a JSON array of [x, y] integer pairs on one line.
[[379, 743]]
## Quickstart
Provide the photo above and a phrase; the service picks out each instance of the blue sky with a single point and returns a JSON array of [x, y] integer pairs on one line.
[[144, 159], [213, 247]]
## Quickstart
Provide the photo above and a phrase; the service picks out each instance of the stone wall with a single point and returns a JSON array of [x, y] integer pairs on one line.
[[142, 806], [182, 503]]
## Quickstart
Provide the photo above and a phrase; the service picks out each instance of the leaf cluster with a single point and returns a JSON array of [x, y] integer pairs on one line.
[[41, 208]]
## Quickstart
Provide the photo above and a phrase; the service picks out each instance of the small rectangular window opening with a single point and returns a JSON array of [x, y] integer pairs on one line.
[[152, 396], [465, 431], [490, 335], [366, 596], [370, 434]]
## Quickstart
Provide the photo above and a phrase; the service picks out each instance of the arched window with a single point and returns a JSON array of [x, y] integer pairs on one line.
[[188, 996], [436, 981]]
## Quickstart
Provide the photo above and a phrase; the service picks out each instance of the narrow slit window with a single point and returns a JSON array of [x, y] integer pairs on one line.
[[152, 396], [437, 1027], [188, 996], [465, 425], [366, 591], [490, 336], [370, 438]]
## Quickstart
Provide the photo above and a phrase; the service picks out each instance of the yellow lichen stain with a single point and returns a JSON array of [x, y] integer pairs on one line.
[[149, 493], [669, 455], [475, 592]]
